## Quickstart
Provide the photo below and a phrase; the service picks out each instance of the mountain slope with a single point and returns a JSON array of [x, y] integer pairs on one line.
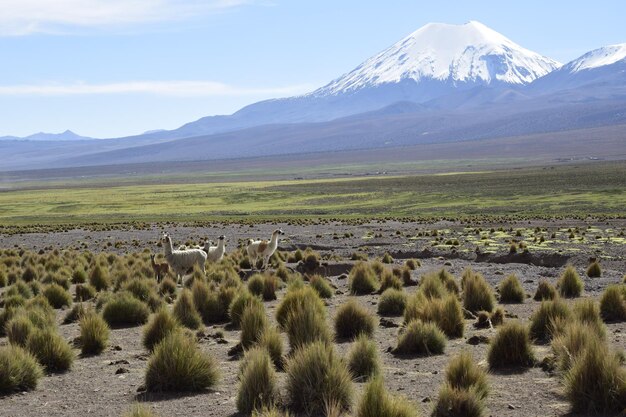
[[68, 135]]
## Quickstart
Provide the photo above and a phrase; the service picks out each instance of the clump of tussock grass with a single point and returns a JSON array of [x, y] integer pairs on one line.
[[99, 278], [389, 280], [316, 377], [167, 287], [321, 286], [463, 373], [18, 329], [412, 264], [30, 274], [79, 276], [19, 369], [141, 288], [302, 296], [570, 342], [73, 314], [458, 402], [387, 258], [122, 309], [445, 312], [392, 302], [271, 341], [545, 291], [238, 305], [256, 284], [352, 319], [613, 303], [362, 279], [363, 360], [50, 349], [594, 270], [57, 296], [160, 324], [94, 333], [253, 324], [85, 292], [549, 314], [511, 347], [587, 311], [19, 288], [477, 294], [377, 402], [270, 412], [305, 324], [570, 284], [511, 290], [257, 382], [139, 410], [448, 281], [431, 286], [178, 365], [419, 338], [596, 381], [212, 305], [185, 311]]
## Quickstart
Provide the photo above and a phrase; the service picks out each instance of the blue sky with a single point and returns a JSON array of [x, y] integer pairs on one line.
[[108, 68]]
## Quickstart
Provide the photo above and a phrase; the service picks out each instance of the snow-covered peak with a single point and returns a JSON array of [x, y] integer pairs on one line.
[[469, 53], [598, 58]]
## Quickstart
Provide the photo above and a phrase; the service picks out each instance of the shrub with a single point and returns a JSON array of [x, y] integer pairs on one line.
[[256, 284], [462, 373], [178, 365], [317, 377], [477, 294], [18, 329], [587, 312], [74, 313], [431, 286], [141, 288], [94, 333], [545, 291], [389, 280], [50, 349], [594, 270], [185, 311], [569, 284], [548, 314], [19, 288], [362, 279], [57, 296], [412, 264], [79, 276], [352, 319], [419, 338], [387, 258], [270, 412], [458, 402], [363, 360], [29, 274], [19, 370], [377, 402], [613, 303], [321, 286], [570, 342], [253, 324], [511, 347], [167, 286], [99, 278], [392, 302], [446, 313], [237, 306], [85, 292], [257, 382], [448, 281], [270, 285], [271, 341], [305, 324], [158, 327], [123, 309], [596, 381], [301, 297], [138, 410], [511, 290]]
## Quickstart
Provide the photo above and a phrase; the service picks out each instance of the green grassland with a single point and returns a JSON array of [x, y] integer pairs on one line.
[[597, 189]]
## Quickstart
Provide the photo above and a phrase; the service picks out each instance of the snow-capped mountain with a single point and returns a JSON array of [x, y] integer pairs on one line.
[[469, 54], [600, 57]]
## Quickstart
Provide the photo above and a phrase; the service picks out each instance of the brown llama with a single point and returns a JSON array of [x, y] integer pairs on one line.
[[160, 270]]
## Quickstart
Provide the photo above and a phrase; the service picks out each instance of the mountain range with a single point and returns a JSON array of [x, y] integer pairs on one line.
[[442, 83]]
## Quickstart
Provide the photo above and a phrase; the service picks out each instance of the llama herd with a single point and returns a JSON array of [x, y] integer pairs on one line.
[[181, 261]]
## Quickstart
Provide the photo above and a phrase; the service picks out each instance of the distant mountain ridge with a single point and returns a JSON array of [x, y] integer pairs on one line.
[[68, 135], [439, 84]]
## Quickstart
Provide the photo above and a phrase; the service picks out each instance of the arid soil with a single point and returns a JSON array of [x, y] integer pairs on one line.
[[106, 385]]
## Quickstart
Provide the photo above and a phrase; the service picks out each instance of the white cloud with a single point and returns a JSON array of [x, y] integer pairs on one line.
[[165, 88], [23, 17]]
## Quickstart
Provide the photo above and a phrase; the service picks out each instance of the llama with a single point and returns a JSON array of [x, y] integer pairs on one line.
[[263, 248], [181, 261], [215, 253], [160, 269]]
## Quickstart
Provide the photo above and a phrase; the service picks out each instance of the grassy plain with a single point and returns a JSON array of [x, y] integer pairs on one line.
[[597, 189]]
